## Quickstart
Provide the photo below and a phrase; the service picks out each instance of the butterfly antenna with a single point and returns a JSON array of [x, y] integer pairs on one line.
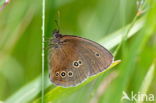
[[57, 21], [56, 33], [57, 25]]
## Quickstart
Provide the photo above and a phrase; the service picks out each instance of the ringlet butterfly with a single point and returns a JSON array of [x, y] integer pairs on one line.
[[72, 59]]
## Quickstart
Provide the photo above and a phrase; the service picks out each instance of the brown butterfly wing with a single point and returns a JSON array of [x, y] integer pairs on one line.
[[95, 56], [93, 59], [62, 59], [98, 57]]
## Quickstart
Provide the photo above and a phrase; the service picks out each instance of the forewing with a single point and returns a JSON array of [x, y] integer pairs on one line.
[[62, 59]]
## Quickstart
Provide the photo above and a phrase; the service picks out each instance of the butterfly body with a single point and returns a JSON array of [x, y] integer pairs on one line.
[[72, 59]]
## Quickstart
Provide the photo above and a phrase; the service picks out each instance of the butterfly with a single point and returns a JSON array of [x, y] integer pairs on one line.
[[72, 59]]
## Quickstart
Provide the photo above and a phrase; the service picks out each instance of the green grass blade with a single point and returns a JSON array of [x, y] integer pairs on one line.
[[26, 93], [115, 38], [147, 81]]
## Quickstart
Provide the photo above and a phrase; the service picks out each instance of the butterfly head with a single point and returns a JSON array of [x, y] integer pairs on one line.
[[57, 38], [56, 34]]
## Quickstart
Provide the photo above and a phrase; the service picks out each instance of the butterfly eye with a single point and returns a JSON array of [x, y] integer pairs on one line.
[[63, 74], [70, 73]]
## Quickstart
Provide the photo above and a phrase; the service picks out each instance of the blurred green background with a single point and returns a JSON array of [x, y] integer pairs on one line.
[[107, 22]]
